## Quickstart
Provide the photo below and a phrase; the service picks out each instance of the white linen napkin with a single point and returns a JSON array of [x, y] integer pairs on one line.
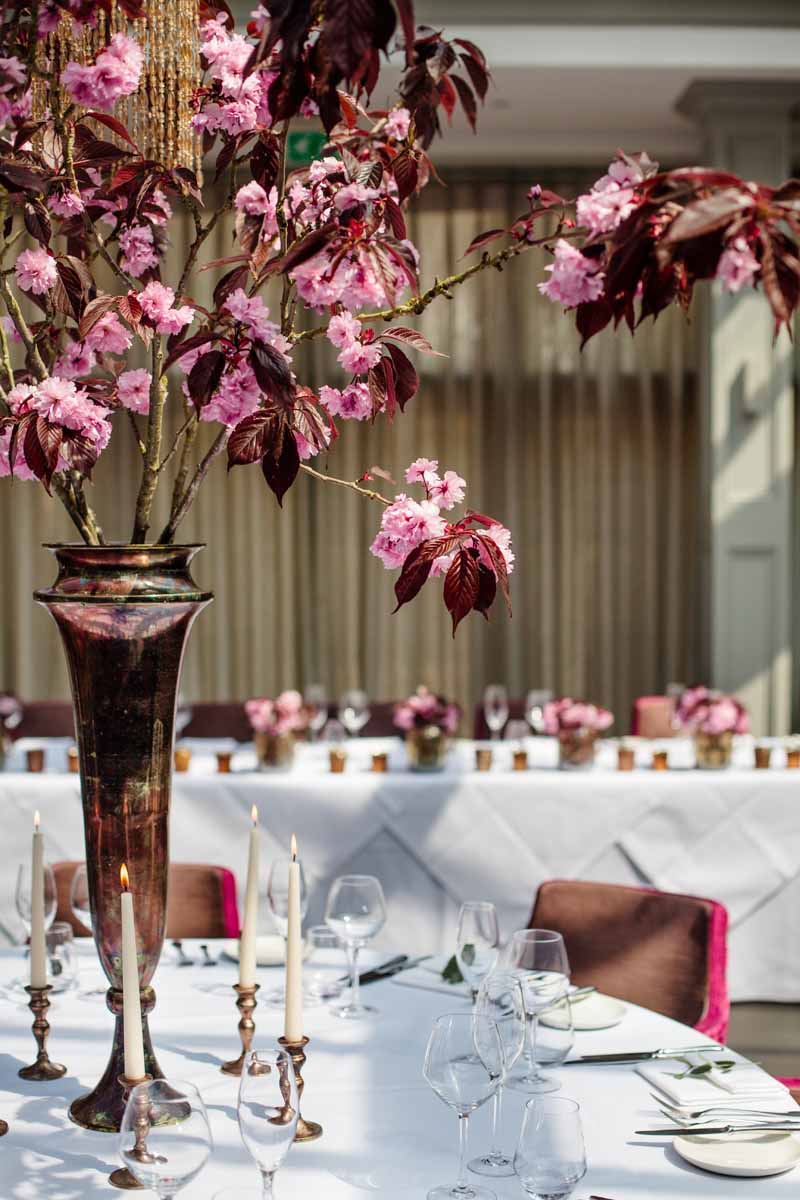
[[743, 1085]]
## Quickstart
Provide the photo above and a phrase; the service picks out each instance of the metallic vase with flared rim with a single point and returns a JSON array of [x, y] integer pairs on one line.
[[124, 613]]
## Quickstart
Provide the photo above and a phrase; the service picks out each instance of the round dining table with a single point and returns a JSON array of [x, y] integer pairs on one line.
[[385, 1132]]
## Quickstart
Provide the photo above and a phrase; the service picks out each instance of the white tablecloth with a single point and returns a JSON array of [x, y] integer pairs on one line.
[[385, 1133], [438, 839]]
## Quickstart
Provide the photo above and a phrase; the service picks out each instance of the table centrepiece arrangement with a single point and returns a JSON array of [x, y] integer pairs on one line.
[[275, 725], [576, 724], [713, 719], [426, 720]]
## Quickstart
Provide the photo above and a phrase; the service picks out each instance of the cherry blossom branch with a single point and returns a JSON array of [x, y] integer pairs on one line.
[[21, 325], [155, 420], [189, 496], [176, 442], [140, 444], [183, 469], [354, 485]]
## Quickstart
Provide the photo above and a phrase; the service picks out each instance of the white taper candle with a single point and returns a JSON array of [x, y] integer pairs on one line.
[[131, 1002], [38, 944], [293, 1026], [247, 938]]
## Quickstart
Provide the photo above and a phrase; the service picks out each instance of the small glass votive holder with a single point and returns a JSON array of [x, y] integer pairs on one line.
[[483, 758], [73, 764], [62, 969], [519, 760], [338, 760], [35, 760], [380, 762], [224, 758], [626, 758], [322, 974], [792, 758], [763, 755], [183, 756], [660, 760]]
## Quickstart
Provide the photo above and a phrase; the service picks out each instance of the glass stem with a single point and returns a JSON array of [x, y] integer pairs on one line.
[[463, 1136], [528, 1052], [266, 1185], [534, 1032], [352, 952], [497, 1105]]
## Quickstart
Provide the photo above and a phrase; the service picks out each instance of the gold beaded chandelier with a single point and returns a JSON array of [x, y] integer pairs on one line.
[[158, 114]]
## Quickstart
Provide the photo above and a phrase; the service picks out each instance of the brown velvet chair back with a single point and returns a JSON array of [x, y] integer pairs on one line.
[[219, 720], [202, 900], [650, 948], [45, 718]]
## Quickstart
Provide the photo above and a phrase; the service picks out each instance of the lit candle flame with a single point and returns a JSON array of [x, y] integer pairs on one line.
[[124, 879], [254, 815], [36, 821], [294, 848]]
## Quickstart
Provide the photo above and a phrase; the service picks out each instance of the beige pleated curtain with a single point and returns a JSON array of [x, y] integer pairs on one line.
[[591, 458]]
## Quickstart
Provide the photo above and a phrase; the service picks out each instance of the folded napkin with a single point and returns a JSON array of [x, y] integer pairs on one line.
[[745, 1084], [428, 977]]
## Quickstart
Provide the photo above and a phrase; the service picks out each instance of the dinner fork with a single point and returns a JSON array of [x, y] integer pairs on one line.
[[672, 1110]]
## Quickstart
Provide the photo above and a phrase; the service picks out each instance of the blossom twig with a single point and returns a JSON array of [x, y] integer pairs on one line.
[[188, 498], [354, 485]]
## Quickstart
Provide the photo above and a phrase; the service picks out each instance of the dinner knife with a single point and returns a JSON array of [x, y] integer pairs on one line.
[[386, 972], [376, 972], [635, 1056], [700, 1130]]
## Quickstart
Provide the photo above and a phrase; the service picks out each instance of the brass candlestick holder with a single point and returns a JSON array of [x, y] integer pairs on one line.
[[307, 1131], [122, 1177], [3, 1128], [245, 1002], [43, 1068]]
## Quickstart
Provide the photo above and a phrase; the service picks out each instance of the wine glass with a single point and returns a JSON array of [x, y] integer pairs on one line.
[[165, 1138], [79, 897], [500, 1000], [315, 699], [539, 959], [355, 911], [464, 1065], [534, 708], [183, 717], [477, 941], [268, 1111], [278, 893], [551, 1156], [354, 711], [495, 708], [23, 896]]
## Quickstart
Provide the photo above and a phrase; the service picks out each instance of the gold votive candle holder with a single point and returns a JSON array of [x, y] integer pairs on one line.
[[182, 758], [73, 763], [483, 759], [246, 1003], [660, 760], [520, 760], [224, 762], [338, 761], [763, 755], [380, 763], [35, 761], [626, 758], [42, 1070], [793, 759], [307, 1131]]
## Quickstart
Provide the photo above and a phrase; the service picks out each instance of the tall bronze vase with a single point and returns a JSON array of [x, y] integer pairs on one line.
[[124, 613]]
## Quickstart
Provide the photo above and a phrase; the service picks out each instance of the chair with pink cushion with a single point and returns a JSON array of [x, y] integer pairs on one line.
[[664, 951], [652, 717]]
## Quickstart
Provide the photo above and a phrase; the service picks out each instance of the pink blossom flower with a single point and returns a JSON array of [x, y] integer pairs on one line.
[[20, 398], [353, 194], [352, 403], [49, 18], [568, 715], [21, 468], [237, 396], [138, 250], [737, 266], [157, 303], [115, 73], [343, 330], [133, 390], [502, 538], [62, 403], [67, 204], [12, 73], [359, 357], [11, 330], [36, 271], [286, 714], [534, 192], [603, 210], [448, 491], [397, 124], [305, 448], [252, 312], [252, 199], [426, 708], [574, 278], [75, 360], [109, 335], [163, 209], [421, 469]]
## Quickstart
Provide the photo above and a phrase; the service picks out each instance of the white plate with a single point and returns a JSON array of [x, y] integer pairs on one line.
[[746, 1155], [270, 950], [594, 1012]]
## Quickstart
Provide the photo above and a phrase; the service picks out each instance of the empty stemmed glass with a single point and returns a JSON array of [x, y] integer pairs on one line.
[[354, 711], [495, 708], [278, 896], [538, 958], [355, 911], [22, 896], [315, 699], [165, 1138], [464, 1065], [267, 1110], [551, 1157], [477, 941], [79, 897], [534, 708], [500, 1000]]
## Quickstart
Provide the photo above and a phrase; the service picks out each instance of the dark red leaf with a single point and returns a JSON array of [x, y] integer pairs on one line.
[[309, 421], [487, 590], [591, 317], [41, 446], [483, 239], [265, 160], [305, 248], [114, 125], [353, 28], [80, 451], [281, 462], [495, 556], [414, 573], [709, 213], [37, 220], [249, 439], [461, 585], [472, 50], [190, 343], [70, 298], [447, 96], [477, 73], [406, 173], [204, 377], [19, 177], [229, 282], [394, 216], [406, 380], [405, 9], [389, 380], [410, 337], [94, 311], [272, 373], [467, 98], [376, 381]]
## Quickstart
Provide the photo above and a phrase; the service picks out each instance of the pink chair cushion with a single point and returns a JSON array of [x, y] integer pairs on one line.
[[662, 950], [652, 717]]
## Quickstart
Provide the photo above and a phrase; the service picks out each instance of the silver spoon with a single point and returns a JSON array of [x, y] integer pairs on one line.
[[697, 1113]]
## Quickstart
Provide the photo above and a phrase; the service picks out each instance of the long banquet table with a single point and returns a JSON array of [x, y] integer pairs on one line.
[[437, 839], [385, 1132]]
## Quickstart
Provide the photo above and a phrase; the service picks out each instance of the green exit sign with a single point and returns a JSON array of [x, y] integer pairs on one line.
[[303, 146]]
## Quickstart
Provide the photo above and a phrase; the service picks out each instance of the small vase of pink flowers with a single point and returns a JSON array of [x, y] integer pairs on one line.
[[276, 724], [712, 718], [576, 724], [427, 720]]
